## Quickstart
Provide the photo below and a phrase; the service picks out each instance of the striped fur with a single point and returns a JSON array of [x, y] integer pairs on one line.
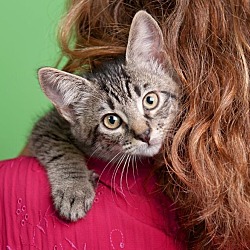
[[123, 92]]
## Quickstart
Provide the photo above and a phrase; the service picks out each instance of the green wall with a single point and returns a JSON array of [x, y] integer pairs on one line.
[[27, 42]]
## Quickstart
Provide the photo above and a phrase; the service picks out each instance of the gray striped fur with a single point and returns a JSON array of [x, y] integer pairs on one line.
[[75, 129]]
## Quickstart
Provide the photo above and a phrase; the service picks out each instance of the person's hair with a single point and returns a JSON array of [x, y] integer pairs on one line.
[[206, 163]]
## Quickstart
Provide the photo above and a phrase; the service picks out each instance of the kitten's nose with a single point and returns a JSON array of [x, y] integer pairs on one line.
[[145, 136]]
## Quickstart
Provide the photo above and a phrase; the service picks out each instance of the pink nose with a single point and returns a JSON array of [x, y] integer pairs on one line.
[[145, 136]]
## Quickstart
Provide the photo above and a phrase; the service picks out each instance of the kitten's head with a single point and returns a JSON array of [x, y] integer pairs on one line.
[[127, 106]]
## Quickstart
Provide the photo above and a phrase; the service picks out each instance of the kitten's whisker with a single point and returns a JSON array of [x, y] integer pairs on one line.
[[113, 178], [119, 164], [127, 172], [109, 163], [123, 168], [105, 167], [136, 161], [134, 166], [113, 189], [117, 168], [127, 166], [96, 149]]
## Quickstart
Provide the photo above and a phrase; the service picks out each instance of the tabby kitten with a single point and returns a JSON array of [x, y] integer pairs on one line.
[[124, 108]]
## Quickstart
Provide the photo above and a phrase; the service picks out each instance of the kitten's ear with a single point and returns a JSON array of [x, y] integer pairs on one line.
[[145, 42], [63, 89]]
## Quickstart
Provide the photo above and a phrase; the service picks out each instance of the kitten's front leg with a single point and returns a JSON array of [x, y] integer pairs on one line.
[[72, 187], [72, 184]]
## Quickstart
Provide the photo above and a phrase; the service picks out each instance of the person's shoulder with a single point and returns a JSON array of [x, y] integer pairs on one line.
[[21, 173], [21, 163]]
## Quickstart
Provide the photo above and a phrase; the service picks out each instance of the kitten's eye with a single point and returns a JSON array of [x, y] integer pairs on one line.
[[112, 121], [150, 101]]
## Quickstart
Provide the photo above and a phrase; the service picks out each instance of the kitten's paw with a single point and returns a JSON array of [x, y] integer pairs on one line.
[[75, 198]]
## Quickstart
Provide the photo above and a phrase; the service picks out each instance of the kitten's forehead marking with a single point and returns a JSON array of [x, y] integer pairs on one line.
[[114, 81], [137, 90], [111, 104]]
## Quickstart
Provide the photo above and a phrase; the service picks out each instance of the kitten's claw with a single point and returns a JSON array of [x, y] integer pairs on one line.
[[74, 198]]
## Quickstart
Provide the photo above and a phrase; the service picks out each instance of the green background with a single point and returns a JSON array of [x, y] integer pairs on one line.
[[27, 42]]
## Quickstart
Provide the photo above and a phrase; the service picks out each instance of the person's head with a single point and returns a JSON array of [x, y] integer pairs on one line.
[[206, 163]]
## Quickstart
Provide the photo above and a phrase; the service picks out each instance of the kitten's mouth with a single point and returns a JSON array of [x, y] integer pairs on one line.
[[149, 149]]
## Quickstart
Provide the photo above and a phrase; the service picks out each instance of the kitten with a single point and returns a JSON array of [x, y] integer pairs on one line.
[[126, 107]]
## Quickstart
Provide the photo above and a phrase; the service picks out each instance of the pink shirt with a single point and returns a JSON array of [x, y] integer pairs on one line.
[[127, 215]]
